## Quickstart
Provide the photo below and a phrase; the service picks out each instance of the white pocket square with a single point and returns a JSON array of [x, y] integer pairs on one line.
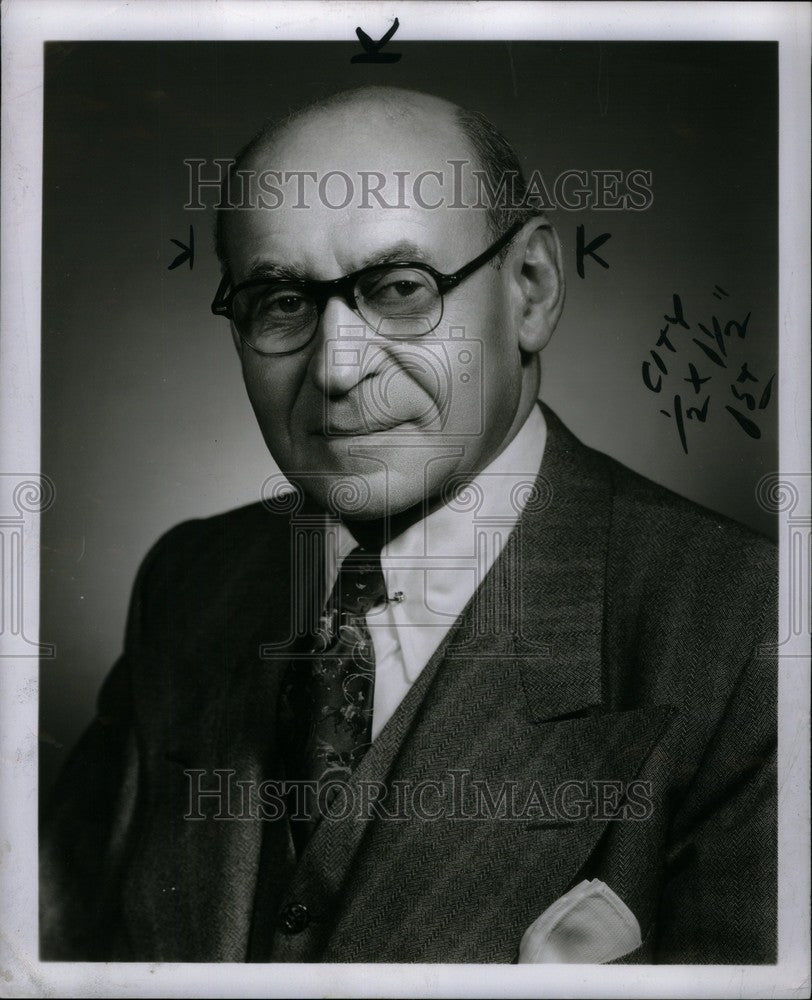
[[589, 924]]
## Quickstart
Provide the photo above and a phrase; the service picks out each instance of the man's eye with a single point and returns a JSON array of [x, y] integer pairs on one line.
[[397, 286], [287, 304], [281, 305], [401, 288]]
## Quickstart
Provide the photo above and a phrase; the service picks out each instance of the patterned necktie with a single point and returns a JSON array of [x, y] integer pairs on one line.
[[326, 700]]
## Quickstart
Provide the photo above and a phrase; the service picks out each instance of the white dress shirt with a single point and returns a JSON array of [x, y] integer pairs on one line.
[[434, 567]]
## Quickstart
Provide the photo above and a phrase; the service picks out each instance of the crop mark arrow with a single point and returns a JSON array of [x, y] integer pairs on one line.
[[372, 50], [188, 252]]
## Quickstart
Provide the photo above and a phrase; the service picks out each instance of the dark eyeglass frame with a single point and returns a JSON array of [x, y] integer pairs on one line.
[[322, 291]]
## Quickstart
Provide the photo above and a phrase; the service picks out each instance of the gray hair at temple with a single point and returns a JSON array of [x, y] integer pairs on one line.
[[491, 153]]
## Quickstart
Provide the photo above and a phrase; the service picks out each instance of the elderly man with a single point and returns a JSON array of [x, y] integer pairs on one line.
[[462, 690]]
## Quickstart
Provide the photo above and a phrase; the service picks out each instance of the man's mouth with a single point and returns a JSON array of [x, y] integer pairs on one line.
[[338, 429]]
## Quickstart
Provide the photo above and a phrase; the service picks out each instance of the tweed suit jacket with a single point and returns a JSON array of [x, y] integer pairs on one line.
[[640, 662]]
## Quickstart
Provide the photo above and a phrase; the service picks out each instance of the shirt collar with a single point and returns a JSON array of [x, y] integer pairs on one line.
[[433, 568]]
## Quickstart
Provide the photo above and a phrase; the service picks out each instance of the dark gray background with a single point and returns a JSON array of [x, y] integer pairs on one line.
[[145, 420]]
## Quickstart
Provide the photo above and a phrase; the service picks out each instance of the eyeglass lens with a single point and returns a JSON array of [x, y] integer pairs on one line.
[[395, 302]]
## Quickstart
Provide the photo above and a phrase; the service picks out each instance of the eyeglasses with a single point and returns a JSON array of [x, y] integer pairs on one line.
[[399, 301]]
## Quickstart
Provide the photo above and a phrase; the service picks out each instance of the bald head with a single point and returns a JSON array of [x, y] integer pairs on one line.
[[361, 110], [392, 105], [355, 268], [388, 127]]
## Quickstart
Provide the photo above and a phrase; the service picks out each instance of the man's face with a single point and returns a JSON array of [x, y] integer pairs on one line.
[[393, 418]]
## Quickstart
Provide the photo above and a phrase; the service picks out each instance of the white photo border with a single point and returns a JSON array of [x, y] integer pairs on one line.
[[26, 27]]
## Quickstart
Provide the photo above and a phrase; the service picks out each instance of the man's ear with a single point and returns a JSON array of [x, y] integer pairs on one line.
[[538, 281]]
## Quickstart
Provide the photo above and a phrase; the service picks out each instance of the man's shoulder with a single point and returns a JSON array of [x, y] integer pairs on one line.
[[653, 520], [675, 561], [665, 517], [689, 597], [209, 552], [235, 526], [676, 575]]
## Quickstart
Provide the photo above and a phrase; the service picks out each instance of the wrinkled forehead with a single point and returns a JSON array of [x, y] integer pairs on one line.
[[327, 193]]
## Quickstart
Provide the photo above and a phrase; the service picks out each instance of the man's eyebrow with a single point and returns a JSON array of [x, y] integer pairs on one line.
[[273, 271], [404, 251]]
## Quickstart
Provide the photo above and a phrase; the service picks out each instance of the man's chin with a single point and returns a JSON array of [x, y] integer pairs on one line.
[[360, 495], [368, 477], [361, 498]]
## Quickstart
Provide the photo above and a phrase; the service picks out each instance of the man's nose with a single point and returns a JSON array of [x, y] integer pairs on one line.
[[337, 364]]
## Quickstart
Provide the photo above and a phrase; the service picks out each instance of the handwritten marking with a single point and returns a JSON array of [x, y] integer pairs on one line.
[[582, 251], [188, 252], [720, 334], [372, 50]]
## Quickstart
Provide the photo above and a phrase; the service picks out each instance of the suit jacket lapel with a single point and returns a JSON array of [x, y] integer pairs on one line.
[[563, 543]]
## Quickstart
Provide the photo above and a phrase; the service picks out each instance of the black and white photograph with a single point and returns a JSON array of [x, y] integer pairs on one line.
[[406, 509]]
